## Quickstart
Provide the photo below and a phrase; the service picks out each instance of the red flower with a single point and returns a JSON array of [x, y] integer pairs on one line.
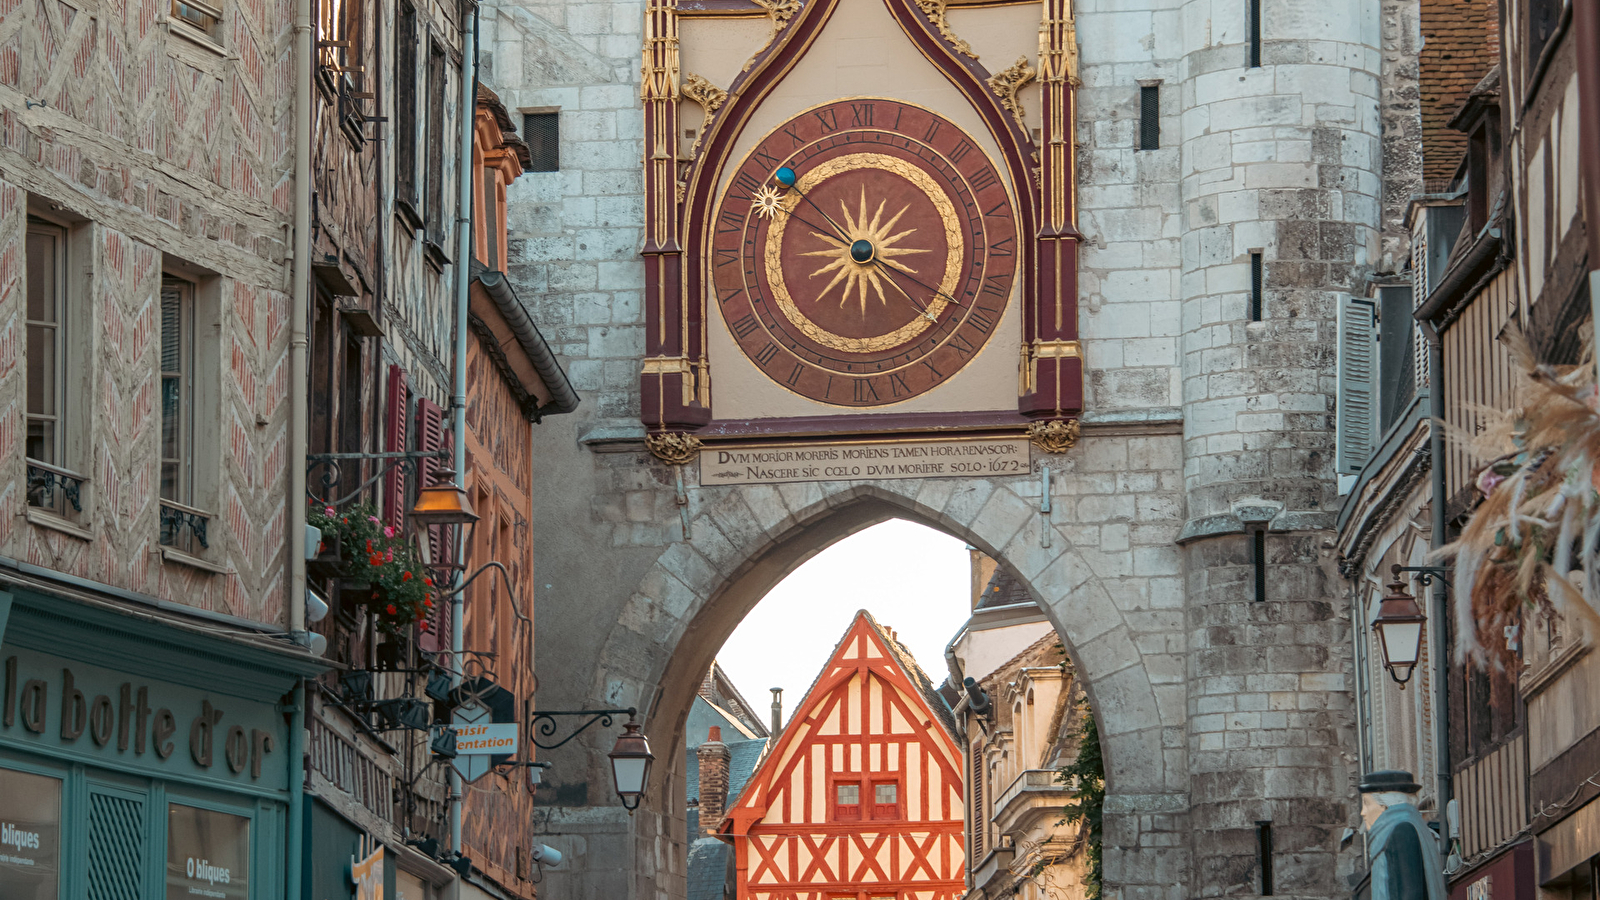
[[375, 559], [391, 609], [428, 603], [405, 576], [369, 545], [428, 582]]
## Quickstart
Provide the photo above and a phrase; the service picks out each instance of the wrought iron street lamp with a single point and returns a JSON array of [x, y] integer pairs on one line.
[[630, 765], [1399, 629]]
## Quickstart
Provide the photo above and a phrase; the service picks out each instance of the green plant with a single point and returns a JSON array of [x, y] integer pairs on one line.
[[1087, 776], [400, 592]]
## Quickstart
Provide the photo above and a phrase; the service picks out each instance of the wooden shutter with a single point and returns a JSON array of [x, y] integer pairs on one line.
[[405, 105], [976, 850], [394, 441], [434, 170], [431, 435], [1357, 410]]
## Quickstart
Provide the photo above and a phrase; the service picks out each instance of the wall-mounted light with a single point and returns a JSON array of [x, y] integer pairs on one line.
[[1399, 629], [630, 765], [443, 504]]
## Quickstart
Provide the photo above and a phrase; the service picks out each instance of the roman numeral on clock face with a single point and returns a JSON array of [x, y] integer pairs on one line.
[[766, 354], [745, 325], [860, 114], [863, 391]]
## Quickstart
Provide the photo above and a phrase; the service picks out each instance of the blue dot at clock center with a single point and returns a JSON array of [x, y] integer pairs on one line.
[[861, 251]]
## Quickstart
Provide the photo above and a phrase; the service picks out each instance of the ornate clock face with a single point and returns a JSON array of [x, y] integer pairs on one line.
[[864, 252]]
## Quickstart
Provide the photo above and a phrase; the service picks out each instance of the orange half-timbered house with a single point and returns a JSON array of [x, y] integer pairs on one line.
[[860, 799]]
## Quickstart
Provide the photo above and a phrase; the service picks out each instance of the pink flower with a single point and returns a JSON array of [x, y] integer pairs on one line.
[[374, 520], [388, 531], [329, 510], [388, 555]]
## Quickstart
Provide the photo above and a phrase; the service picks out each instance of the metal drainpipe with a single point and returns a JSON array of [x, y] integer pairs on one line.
[[458, 387], [1441, 600], [299, 400], [294, 849]]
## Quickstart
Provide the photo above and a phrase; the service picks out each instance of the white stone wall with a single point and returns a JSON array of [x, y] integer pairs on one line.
[[575, 235]]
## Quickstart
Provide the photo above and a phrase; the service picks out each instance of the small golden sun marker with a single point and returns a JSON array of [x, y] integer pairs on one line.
[[768, 202], [874, 240]]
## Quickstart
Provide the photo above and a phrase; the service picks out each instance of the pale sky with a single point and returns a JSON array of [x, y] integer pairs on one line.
[[911, 578]]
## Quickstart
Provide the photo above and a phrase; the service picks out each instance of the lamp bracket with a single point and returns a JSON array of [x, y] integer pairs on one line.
[[543, 722], [409, 459], [1425, 574]]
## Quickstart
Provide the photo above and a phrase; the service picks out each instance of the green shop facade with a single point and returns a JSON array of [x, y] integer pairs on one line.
[[143, 755]]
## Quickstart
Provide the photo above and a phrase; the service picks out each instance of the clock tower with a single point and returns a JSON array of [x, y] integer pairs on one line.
[[1057, 278]]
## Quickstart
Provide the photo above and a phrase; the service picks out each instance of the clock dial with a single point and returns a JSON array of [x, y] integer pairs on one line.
[[864, 252]]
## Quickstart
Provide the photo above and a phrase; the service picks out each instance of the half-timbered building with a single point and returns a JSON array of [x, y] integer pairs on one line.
[[860, 798]]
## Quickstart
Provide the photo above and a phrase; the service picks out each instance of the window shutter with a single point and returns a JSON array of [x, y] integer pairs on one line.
[[431, 435], [405, 104], [975, 852], [116, 847], [1357, 409], [394, 441]]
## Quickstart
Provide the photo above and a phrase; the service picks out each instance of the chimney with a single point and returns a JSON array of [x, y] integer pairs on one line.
[[713, 780], [777, 711]]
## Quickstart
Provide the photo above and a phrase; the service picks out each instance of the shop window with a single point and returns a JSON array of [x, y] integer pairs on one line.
[[208, 854], [847, 800], [30, 852]]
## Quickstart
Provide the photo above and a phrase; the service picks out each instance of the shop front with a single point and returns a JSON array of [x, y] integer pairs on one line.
[[1508, 875], [141, 757]]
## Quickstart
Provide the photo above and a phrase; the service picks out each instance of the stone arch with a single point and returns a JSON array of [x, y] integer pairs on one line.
[[744, 540]]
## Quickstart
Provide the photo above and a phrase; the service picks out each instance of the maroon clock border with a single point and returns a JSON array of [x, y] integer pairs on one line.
[[917, 136], [680, 197]]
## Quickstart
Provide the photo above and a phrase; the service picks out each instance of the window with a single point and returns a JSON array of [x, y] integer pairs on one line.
[[198, 16], [1257, 278], [847, 800], [1264, 855], [1252, 27], [1544, 16], [31, 806], [52, 485], [886, 800], [405, 110], [1150, 117], [434, 202], [182, 526], [47, 317], [338, 33], [1258, 563], [542, 132]]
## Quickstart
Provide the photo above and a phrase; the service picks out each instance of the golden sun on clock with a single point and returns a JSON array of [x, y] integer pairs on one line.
[[864, 252]]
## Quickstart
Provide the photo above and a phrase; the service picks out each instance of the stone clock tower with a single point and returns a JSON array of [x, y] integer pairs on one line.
[[1059, 279]]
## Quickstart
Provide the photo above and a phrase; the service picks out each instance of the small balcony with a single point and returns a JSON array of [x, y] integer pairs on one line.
[[1034, 789]]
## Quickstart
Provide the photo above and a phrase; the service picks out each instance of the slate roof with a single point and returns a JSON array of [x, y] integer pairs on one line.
[[1003, 590], [708, 869]]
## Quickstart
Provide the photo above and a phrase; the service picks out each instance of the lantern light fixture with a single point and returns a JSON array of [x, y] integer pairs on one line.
[[1399, 628], [446, 503], [630, 765]]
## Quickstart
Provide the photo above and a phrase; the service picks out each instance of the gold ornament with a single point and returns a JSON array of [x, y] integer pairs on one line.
[[674, 448], [710, 97], [1008, 82], [768, 202], [1055, 435], [935, 11]]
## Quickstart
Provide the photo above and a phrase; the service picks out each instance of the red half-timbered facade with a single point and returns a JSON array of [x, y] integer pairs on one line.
[[860, 799]]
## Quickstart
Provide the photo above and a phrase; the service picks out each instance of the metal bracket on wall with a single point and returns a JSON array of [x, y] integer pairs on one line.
[[1425, 574], [1044, 506], [543, 723]]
